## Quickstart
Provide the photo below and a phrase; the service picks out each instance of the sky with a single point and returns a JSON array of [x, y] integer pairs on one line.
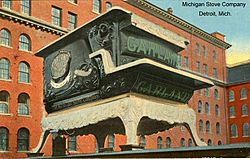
[[236, 27]]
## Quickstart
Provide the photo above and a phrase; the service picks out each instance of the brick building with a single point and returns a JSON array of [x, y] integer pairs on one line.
[[27, 26], [238, 102]]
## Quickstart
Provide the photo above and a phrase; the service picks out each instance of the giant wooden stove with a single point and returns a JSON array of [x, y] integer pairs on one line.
[[117, 74]]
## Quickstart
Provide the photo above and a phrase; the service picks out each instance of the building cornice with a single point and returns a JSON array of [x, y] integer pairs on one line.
[[178, 22], [246, 62], [31, 21]]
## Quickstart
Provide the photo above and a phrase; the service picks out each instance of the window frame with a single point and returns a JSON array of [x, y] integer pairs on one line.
[[183, 142], [72, 143], [231, 112], [24, 72], [231, 96], [244, 110], [168, 142], [108, 5], [200, 107], [207, 108], [217, 110], [10, 4], [201, 126], [233, 131], [25, 139], [159, 142], [5, 37], [72, 24], [208, 127], [97, 6], [218, 128], [245, 130], [26, 9], [6, 103], [142, 141], [4, 69], [111, 141], [56, 18], [21, 105], [4, 139], [243, 93], [24, 43]]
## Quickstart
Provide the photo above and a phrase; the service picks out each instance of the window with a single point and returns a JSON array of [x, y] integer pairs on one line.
[[231, 96], [186, 62], [219, 143], [7, 4], [111, 141], [159, 142], [4, 139], [208, 127], [217, 110], [198, 49], [216, 94], [204, 51], [198, 67], [205, 69], [244, 110], [24, 43], [245, 129], [23, 139], [5, 37], [168, 142], [207, 92], [142, 141], [214, 56], [200, 107], [97, 6], [218, 128], [26, 6], [24, 72], [23, 104], [72, 21], [183, 142], [201, 126], [207, 108], [4, 102], [234, 131], [215, 73], [209, 142], [243, 93], [179, 61], [232, 111], [73, 1], [4, 69], [56, 16], [108, 5], [72, 142], [190, 143]]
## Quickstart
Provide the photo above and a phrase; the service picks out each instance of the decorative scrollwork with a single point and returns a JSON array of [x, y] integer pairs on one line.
[[101, 35]]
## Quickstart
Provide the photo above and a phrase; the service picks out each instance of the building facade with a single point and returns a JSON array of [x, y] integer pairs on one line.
[[238, 102], [26, 26]]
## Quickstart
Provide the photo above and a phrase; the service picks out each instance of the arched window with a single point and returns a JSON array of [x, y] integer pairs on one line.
[[200, 107], [244, 110], [5, 37], [72, 143], [209, 142], [4, 139], [24, 72], [216, 94], [204, 51], [245, 129], [198, 49], [231, 96], [23, 104], [208, 127], [183, 142], [206, 90], [4, 102], [190, 143], [217, 110], [26, 7], [4, 69], [219, 143], [97, 6], [243, 93], [111, 141], [108, 5], [207, 107], [168, 142], [232, 111], [159, 142], [201, 126], [7, 4], [142, 141], [23, 139], [24, 43], [218, 128], [234, 131]]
